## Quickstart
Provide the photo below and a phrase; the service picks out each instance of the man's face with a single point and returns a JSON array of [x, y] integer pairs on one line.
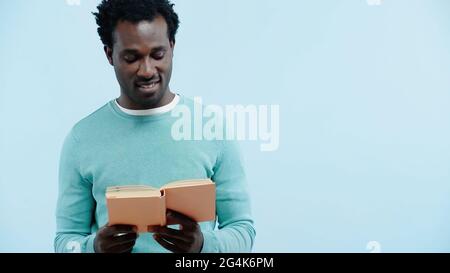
[[142, 59]]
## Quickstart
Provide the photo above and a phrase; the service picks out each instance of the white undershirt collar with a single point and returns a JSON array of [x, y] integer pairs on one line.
[[149, 112]]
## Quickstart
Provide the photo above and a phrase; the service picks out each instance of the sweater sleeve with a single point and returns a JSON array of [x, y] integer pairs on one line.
[[75, 206], [235, 232]]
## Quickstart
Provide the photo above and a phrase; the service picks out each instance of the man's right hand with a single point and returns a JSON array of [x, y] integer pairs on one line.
[[115, 239]]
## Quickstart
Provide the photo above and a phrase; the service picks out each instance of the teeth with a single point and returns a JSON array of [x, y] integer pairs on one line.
[[151, 85]]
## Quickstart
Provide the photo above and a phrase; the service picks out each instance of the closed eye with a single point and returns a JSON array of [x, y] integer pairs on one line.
[[158, 55], [130, 58]]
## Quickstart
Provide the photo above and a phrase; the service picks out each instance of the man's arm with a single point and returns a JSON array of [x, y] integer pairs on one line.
[[76, 205], [236, 232]]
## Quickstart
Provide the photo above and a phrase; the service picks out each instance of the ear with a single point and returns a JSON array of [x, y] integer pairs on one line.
[[109, 52], [172, 45]]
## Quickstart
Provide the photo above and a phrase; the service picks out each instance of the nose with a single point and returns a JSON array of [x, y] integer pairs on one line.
[[146, 69]]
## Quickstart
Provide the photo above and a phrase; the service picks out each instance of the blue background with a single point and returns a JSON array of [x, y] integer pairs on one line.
[[364, 95]]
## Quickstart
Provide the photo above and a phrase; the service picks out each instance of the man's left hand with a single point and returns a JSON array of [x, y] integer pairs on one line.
[[188, 239]]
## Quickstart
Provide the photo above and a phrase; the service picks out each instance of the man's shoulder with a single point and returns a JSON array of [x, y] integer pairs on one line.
[[93, 121]]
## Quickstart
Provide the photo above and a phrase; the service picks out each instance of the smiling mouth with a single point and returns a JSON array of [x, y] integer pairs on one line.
[[150, 86]]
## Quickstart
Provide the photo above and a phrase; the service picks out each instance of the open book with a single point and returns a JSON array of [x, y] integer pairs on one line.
[[144, 206]]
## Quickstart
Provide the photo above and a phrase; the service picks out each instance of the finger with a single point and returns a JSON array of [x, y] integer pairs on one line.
[[183, 245], [152, 228], [167, 245], [122, 248], [185, 236], [115, 229], [174, 217], [129, 237]]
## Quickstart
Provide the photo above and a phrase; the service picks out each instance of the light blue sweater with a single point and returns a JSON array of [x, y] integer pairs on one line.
[[111, 147]]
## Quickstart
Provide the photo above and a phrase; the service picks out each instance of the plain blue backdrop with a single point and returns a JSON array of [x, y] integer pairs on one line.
[[364, 95]]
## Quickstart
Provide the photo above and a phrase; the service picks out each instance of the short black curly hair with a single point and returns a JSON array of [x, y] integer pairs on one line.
[[110, 12]]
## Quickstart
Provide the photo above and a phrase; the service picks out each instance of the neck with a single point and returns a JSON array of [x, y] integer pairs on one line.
[[127, 103]]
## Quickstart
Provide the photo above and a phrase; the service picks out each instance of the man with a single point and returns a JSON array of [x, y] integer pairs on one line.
[[128, 141]]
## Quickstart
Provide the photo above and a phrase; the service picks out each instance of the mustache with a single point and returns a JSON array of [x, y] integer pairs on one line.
[[141, 81]]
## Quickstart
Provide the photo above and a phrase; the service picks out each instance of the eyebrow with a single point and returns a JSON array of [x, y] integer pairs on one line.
[[135, 51], [130, 51], [159, 48]]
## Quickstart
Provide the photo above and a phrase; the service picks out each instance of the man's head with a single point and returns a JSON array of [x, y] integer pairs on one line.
[[139, 38]]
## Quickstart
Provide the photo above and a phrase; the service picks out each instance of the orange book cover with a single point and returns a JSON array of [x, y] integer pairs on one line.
[[145, 206]]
